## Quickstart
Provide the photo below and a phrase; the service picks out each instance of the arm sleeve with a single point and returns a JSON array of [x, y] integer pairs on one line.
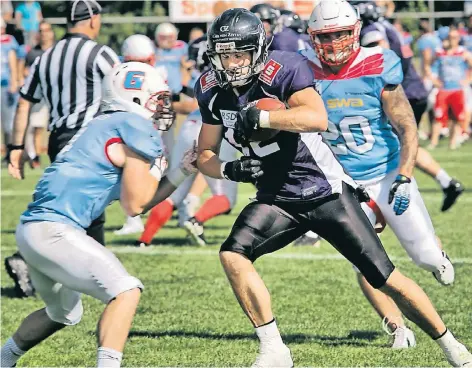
[[140, 136], [392, 73], [106, 60], [31, 90]]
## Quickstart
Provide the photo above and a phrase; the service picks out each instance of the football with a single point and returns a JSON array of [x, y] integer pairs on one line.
[[268, 104]]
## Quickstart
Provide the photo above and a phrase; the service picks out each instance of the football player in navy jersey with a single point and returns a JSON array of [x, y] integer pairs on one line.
[[301, 185]]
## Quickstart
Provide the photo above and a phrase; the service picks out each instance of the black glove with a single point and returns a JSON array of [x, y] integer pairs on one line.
[[362, 195], [248, 121], [244, 170]]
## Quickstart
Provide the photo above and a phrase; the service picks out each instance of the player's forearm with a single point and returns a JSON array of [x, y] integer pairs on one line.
[[21, 122], [136, 194], [165, 189], [301, 119], [400, 114], [209, 164]]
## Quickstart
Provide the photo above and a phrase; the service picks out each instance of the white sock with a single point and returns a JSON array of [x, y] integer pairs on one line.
[[443, 178], [10, 353], [311, 234], [109, 358], [269, 334], [446, 341]]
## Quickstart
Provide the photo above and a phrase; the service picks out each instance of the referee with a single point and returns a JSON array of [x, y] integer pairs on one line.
[[68, 77]]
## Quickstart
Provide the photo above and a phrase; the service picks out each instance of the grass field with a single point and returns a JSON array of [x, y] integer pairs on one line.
[[188, 315]]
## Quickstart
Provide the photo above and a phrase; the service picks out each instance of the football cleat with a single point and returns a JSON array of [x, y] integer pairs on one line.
[[17, 268], [274, 356], [458, 355], [195, 230], [404, 338], [445, 274], [454, 190], [132, 225], [141, 244]]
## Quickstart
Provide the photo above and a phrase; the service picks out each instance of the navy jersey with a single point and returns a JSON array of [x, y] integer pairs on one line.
[[297, 167], [287, 40], [412, 83]]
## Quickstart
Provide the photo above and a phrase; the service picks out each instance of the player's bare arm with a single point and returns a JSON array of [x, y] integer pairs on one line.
[[400, 114], [16, 165], [306, 114], [139, 196], [209, 142]]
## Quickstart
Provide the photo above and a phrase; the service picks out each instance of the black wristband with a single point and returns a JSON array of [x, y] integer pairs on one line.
[[12, 147], [228, 171], [188, 91], [175, 97]]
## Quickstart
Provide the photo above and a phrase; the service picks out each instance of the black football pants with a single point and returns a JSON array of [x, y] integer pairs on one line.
[[264, 228]]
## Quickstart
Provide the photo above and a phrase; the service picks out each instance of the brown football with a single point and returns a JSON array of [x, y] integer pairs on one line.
[[267, 104]]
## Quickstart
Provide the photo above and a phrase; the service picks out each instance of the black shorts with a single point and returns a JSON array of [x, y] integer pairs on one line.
[[264, 228], [419, 107]]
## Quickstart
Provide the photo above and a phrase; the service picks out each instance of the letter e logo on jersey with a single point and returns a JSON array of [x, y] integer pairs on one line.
[[229, 118], [134, 80], [208, 81], [270, 71]]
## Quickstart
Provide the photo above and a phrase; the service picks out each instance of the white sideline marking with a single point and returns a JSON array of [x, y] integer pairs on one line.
[[155, 250]]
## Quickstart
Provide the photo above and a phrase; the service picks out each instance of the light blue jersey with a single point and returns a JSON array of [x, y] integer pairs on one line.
[[451, 68], [171, 59], [358, 131], [467, 41], [7, 44], [82, 181]]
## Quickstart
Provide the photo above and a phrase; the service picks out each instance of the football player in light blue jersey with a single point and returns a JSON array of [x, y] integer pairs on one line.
[[169, 54], [450, 72], [9, 81], [117, 156], [373, 132], [224, 192]]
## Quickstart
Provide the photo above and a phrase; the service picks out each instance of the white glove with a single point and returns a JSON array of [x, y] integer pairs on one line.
[[159, 167]]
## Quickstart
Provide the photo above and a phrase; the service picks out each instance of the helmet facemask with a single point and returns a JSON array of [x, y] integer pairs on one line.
[[160, 106], [238, 76], [338, 45]]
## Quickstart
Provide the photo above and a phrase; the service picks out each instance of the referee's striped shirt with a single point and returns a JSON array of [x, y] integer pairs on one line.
[[69, 77]]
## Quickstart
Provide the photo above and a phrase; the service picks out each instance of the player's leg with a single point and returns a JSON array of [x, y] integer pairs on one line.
[[415, 231], [259, 229], [70, 257], [426, 163], [458, 107], [441, 113], [162, 213], [343, 223]]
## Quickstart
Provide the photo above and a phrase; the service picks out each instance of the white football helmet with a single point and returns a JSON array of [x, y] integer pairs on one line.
[[334, 28], [138, 88], [139, 47], [166, 35]]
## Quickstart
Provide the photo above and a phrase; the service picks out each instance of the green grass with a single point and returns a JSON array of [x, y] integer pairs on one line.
[[188, 315]]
